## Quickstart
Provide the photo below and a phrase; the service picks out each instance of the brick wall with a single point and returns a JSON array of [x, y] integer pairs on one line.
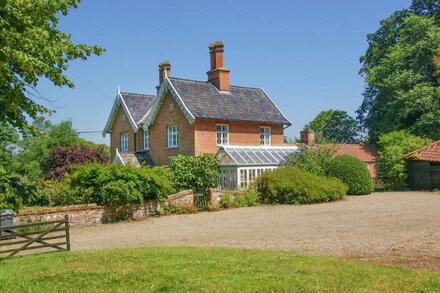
[[93, 214], [120, 125], [182, 198], [140, 140], [373, 170], [240, 133], [89, 215], [170, 114], [214, 195]]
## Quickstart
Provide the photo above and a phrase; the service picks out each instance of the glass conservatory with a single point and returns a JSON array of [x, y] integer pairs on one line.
[[241, 165]]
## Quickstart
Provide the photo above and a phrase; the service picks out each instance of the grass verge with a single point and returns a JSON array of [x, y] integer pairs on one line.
[[160, 269]]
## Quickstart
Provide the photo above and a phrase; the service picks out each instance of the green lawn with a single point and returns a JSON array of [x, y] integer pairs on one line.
[[203, 270]]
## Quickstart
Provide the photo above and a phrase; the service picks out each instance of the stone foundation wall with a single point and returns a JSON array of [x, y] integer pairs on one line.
[[94, 214]]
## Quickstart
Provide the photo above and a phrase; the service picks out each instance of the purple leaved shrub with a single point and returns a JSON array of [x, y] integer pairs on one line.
[[61, 159]]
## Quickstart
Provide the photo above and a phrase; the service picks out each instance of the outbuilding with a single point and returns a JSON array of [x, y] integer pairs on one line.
[[424, 167]]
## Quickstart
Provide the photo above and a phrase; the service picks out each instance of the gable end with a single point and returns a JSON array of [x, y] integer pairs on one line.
[[164, 88], [119, 102]]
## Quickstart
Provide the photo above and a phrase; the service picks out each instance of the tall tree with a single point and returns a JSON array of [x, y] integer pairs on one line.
[[35, 150], [402, 91], [32, 47], [334, 126]]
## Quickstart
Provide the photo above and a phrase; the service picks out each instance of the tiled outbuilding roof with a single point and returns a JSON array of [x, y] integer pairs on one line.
[[365, 153], [137, 104], [204, 100], [430, 153]]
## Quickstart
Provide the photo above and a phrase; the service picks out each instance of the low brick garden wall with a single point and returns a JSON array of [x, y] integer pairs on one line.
[[214, 195], [94, 214]]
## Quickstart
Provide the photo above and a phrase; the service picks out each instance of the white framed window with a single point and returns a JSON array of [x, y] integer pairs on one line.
[[146, 140], [247, 176], [243, 178], [222, 134], [264, 135], [173, 137], [124, 142]]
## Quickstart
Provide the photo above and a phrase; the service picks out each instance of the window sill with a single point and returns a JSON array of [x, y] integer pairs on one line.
[[174, 147]]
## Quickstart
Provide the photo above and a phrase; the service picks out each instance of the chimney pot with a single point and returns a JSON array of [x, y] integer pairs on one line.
[[164, 70], [218, 75], [307, 137]]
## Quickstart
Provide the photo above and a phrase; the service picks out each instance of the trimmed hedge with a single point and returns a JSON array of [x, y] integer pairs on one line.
[[293, 186], [352, 172]]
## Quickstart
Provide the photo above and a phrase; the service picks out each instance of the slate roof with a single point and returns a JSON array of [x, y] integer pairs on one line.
[[365, 153], [136, 159], [204, 100], [138, 104], [429, 153]]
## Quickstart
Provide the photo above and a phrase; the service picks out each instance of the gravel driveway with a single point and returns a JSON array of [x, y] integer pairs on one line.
[[397, 228]]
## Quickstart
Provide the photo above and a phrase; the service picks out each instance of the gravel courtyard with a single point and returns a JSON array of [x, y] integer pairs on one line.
[[398, 228]]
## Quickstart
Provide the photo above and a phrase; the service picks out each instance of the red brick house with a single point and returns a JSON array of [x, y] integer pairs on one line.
[[191, 117]]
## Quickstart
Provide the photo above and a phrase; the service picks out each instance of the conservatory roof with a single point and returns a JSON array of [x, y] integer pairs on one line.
[[254, 155]]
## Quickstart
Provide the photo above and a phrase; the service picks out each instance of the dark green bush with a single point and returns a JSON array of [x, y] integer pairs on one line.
[[293, 186], [198, 173], [352, 172], [110, 185]]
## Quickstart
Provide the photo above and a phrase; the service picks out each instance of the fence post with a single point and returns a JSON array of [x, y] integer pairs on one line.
[[66, 219]]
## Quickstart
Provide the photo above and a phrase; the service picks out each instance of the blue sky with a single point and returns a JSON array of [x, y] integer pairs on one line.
[[305, 54]]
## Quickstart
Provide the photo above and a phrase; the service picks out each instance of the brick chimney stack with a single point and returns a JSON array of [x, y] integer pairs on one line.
[[307, 137], [164, 70], [218, 75]]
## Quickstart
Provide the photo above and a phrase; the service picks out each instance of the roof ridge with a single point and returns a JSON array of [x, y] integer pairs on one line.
[[247, 87], [417, 151], [362, 144], [136, 94], [207, 82], [187, 79]]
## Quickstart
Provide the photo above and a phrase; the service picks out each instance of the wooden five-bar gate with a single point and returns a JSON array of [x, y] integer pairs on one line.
[[50, 236]]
